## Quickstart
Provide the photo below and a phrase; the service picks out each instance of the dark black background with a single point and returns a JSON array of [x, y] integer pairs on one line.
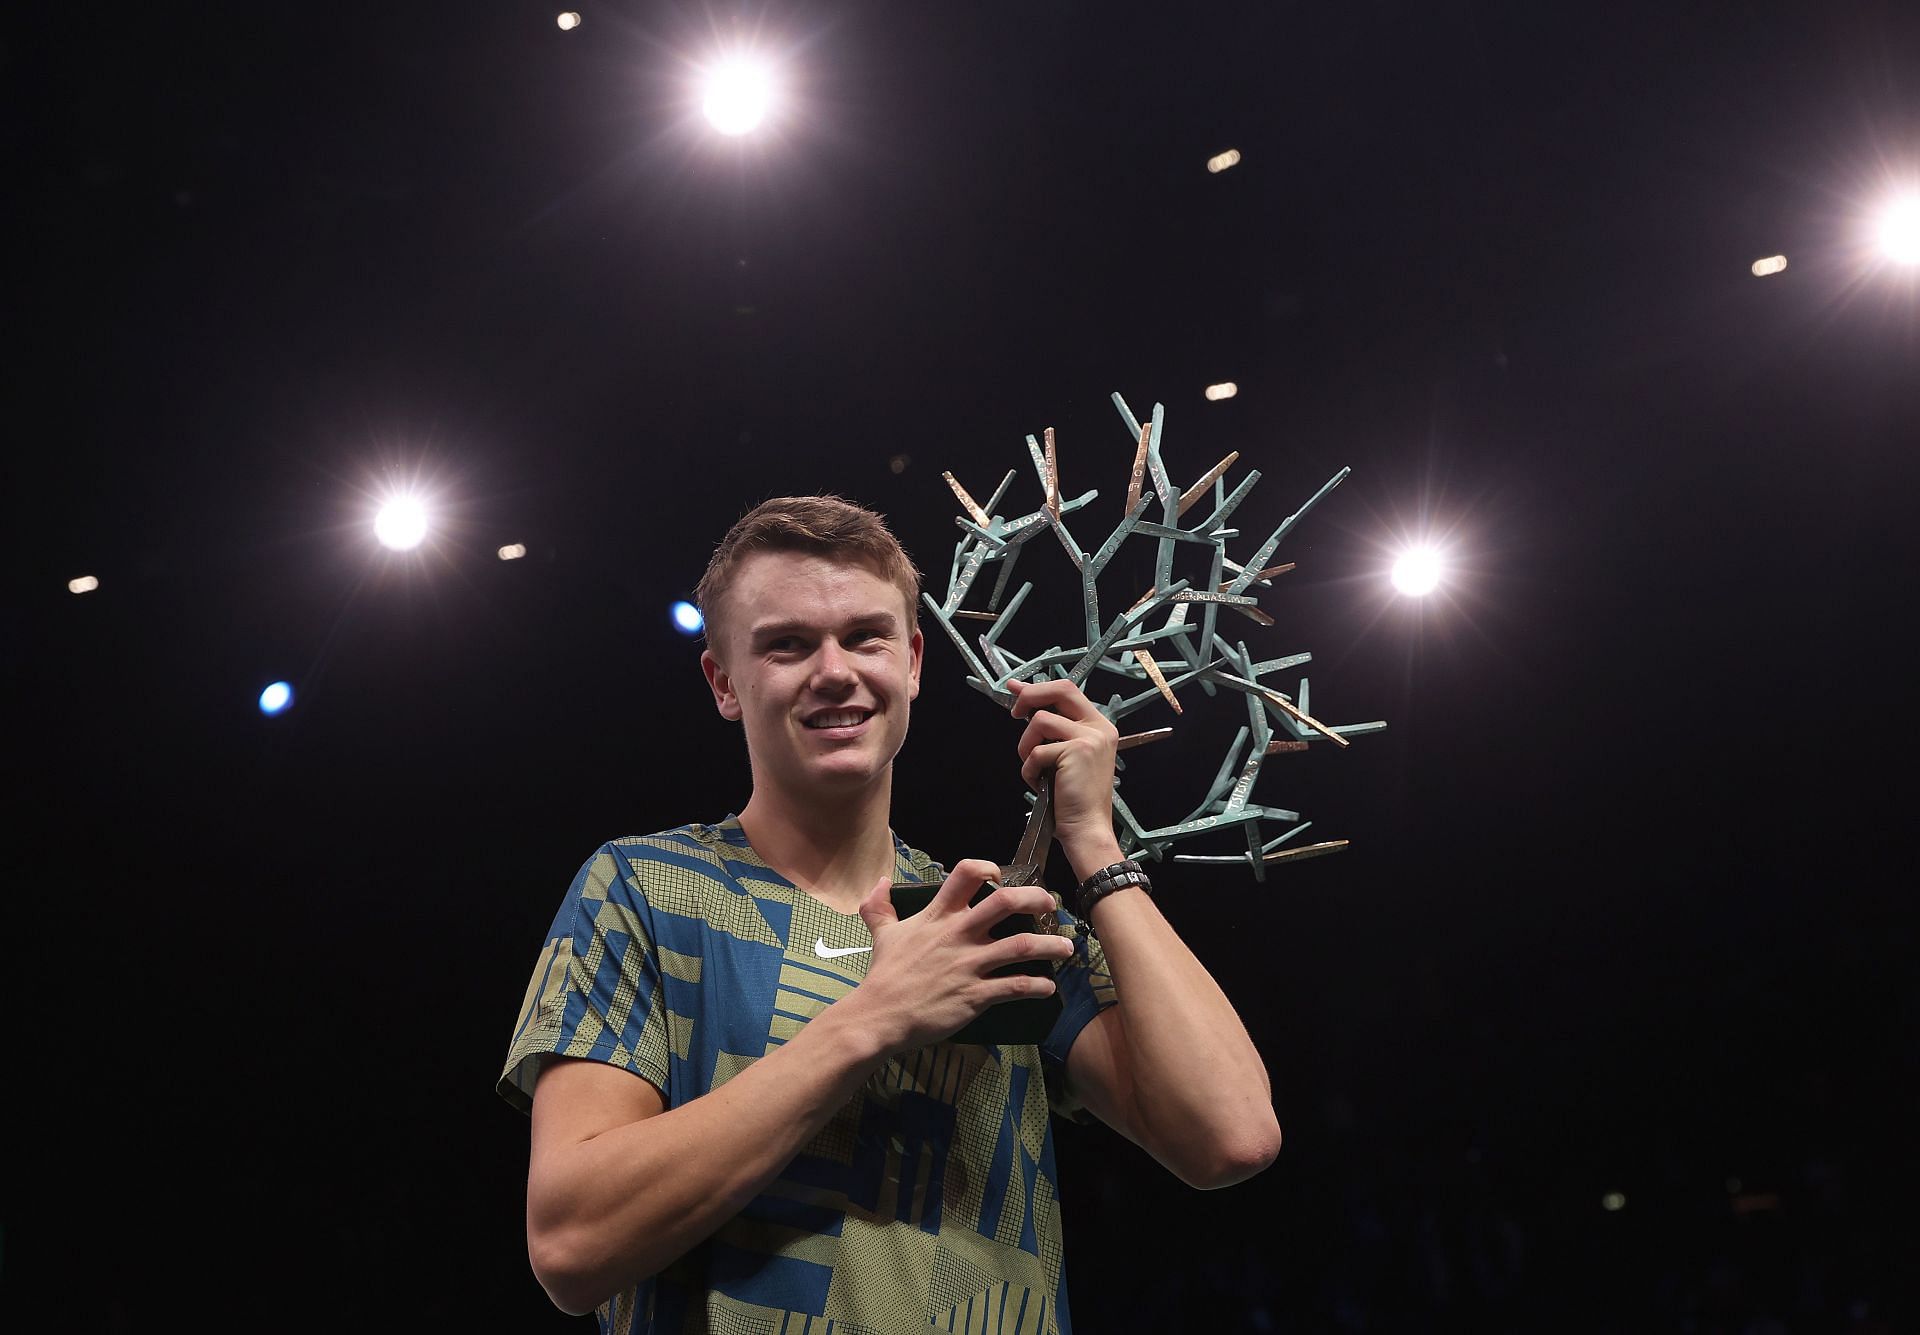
[[1624, 908]]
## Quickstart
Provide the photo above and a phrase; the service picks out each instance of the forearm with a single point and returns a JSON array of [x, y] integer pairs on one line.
[[607, 1212], [1198, 1079], [1173, 1064], [1201, 1096]]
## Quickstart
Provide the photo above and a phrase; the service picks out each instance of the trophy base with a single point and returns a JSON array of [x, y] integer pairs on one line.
[[1027, 1020]]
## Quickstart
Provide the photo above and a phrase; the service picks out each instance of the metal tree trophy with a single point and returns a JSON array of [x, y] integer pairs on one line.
[[1169, 637]]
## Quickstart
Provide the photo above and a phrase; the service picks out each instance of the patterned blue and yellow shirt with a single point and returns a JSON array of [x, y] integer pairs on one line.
[[927, 1203]]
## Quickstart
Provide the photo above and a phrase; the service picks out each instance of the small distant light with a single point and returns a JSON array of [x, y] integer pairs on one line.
[[1417, 573], [899, 463], [276, 698], [1226, 389], [85, 584], [568, 21], [513, 551], [1900, 231], [401, 523], [1219, 162], [1771, 264], [687, 619], [1613, 1200], [737, 97]]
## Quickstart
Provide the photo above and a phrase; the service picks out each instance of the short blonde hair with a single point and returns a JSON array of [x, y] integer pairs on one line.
[[829, 526]]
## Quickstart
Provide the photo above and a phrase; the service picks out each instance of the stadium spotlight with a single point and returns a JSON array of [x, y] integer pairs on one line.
[[1900, 230], [1772, 264], [513, 551], [401, 523], [1219, 162], [687, 619], [1226, 389], [85, 584], [568, 21], [1417, 572], [738, 93], [276, 698]]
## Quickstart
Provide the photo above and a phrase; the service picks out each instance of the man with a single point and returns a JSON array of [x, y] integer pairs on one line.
[[744, 1115]]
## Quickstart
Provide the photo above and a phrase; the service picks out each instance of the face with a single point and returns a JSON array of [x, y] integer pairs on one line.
[[819, 660]]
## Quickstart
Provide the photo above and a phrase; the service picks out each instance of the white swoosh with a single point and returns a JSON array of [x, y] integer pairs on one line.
[[827, 952]]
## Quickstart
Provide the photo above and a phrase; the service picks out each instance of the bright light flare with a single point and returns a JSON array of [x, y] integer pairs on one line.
[[276, 698], [1900, 230], [1226, 389], [737, 96], [1614, 1201], [401, 523], [1417, 572], [85, 584], [513, 551], [1772, 264], [568, 21], [1219, 162], [687, 619]]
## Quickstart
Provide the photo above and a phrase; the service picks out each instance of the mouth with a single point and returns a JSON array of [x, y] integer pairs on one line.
[[837, 720]]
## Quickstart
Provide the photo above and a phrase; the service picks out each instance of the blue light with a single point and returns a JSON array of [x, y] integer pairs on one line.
[[276, 698], [686, 618]]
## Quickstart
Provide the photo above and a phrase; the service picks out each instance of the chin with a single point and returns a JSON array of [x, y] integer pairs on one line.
[[847, 770], [836, 778]]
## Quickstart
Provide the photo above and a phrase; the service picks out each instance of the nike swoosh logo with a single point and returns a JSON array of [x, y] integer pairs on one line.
[[827, 952]]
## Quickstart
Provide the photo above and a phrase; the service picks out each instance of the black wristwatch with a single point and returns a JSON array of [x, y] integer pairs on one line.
[[1120, 876]]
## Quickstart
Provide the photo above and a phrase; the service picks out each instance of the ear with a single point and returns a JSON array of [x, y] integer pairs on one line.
[[724, 697], [916, 646]]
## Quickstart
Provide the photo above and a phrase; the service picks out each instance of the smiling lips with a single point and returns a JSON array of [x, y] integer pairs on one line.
[[839, 718]]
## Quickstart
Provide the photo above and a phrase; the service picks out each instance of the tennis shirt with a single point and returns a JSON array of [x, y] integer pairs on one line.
[[928, 1202]]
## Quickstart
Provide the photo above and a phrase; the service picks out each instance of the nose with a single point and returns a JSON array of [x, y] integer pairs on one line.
[[832, 668]]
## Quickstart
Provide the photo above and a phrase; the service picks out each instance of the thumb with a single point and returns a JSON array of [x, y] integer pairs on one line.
[[876, 910]]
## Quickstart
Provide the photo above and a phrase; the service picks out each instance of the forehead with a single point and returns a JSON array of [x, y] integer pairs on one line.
[[810, 588]]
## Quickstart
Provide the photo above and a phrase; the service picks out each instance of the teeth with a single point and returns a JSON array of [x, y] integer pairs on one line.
[[844, 719]]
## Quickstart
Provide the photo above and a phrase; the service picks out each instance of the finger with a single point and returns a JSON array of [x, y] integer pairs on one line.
[[1040, 760], [1018, 987], [1009, 900], [1023, 947], [1059, 694], [876, 910], [967, 876], [1045, 726]]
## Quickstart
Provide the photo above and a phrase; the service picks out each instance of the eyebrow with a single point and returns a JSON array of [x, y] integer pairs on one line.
[[875, 620]]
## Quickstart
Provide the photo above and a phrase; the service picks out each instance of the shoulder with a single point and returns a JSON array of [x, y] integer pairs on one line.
[[708, 873], [622, 870], [677, 845]]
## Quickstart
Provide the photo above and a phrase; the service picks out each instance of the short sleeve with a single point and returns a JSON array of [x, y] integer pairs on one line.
[[1086, 989], [595, 991]]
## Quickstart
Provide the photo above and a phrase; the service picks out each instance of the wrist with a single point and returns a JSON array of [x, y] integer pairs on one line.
[[862, 1028], [1118, 877], [1089, 856]]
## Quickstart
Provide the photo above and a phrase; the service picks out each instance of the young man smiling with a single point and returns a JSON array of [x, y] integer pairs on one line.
[[746, 1110]]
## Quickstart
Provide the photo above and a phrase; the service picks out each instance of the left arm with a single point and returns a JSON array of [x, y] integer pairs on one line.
[[1172, 1067]]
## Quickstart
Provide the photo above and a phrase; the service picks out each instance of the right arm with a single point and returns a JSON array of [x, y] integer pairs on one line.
[[618, 1186]]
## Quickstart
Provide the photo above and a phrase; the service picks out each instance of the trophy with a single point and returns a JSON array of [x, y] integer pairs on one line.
[[1175, 620]]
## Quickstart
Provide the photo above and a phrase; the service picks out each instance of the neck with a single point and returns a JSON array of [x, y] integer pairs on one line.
[[834, 849]]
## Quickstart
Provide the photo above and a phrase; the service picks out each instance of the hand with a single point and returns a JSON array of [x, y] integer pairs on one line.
[[1067, 734], [930, 973]]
